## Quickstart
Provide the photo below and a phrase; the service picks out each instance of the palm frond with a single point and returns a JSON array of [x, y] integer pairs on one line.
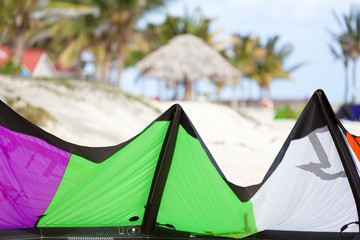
[[336, 18], [334, 52]]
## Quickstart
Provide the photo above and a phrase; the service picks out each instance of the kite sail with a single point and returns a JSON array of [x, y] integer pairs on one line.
[[164, 183]]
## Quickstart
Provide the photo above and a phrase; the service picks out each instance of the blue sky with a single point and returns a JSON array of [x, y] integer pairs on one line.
[[301, 23]]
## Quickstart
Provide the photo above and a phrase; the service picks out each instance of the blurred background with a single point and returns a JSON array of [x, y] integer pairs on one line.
[[283, 50], [97, 72]]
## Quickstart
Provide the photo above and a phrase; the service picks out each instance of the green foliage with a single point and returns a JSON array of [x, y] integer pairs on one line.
[[106, 32], [347, 46], [12, 101], [286, 113], [9, 69], [117, 92], [16, 22], [247, 53], [154, 36], [58, 81], [36, 115], [261, 62], [272, 66]]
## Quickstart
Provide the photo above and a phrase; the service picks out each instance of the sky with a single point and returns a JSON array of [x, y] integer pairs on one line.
[[302, 23]]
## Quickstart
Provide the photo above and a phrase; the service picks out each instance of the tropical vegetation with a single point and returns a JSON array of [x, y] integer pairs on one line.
[[106, 32], [346, 46], [15, 22], [153, 36], [68, 27], [109, 30], [261, 62]]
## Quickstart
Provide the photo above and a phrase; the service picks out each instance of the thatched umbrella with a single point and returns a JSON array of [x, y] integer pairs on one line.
[[185, 59]]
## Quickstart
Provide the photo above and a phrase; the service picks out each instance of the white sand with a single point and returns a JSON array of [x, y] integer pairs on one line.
[[244, 147]]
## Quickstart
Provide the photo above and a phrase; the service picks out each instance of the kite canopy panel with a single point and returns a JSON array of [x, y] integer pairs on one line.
[[164, 183]]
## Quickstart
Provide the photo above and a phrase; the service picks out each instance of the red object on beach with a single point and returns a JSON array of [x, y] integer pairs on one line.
[[267, 104], [30, 59]]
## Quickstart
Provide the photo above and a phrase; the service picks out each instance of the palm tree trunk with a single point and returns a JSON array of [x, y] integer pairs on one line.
[[105, 71], [268, 93], [20, 46], [159, 89], [120, 62], [188, 89], [267, 102], [261, 93], [250, 90], [98, 72], [346, 90], [176, 90], [102, 73], [242, 101], [354, 90], [234, 96]]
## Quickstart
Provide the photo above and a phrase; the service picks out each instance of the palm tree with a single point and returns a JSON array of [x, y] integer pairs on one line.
[[16, 21], [195, 23], [29, 22], [261, 63], [122, 17], [353, 29], [154, 36], [272, 66], [86, 32], [78, 27], [105, 32], [246, 54], [350, 39], [345, 42]]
